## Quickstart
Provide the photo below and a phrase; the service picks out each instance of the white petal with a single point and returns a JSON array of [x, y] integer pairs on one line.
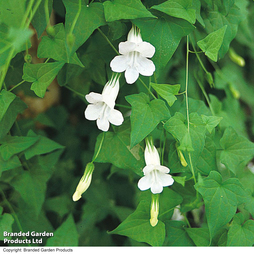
[[145, 66], [147, 169], [146, 49], [156, 188], [93, 111], [110, 92], [119, 63], [103, 124], [151, 155], [165, 179], [144, 183], [93, 97], [162, 169], [134, 35], [126, 47], [115, 117], [131, 75]]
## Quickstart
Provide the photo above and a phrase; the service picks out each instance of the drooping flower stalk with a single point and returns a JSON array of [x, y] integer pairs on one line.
[[133, 59]]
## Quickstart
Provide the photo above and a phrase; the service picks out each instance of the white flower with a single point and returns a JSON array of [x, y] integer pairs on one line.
[[102, 105], [84, 182], [133, 59], [155, 176]]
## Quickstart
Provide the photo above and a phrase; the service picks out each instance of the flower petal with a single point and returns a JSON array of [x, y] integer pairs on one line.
[[103, 124], [163, 169], [165, 179], [144, 183], [93, 97], [146, 49], [151, 155], [156, 188], [93, 111], [145, 66], [115, 117], [126, 47], [131, 75], [147, 169], [119, 63]]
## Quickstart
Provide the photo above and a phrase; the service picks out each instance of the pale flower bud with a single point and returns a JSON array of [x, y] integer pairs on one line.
[[84, 182], [236, 58], [154, 210]]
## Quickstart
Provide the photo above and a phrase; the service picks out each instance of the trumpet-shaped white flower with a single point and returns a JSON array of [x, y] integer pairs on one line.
[[155, 176], [102, 106], [84, 182], [133, 59]]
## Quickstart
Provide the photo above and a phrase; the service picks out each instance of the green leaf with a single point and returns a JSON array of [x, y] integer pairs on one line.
[[211, 122], [207, 159], [152, 113], [6, 221], [200, 236], [169, 199], [12, 41], [32, 187], [167, 92], [221, 200], [241, 233], [177, 127], [43, 146], [10, 107], [192, 139], [125, 9], [6, 98], [217, 19], [169, 32], [116, 150], [12, 12], [39, 20], [211, 44], [176, 234], [41, 75], [65, 235], [236, 149], [12, 163], [90, 18], [56, 47], [178, 8], [137, 226], [12, 145]]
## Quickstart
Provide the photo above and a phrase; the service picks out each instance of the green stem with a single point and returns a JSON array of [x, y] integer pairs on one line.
[[76, 92], [192, 168], [143, 83], [122, 106], [109, 42], [76, 17], [198, 57], [20, 83], [99, 149], [186, 84], [24, 24], [13, 213], [6, 67], [206, 96], [187, 105], [29, 7], [46, 9]]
